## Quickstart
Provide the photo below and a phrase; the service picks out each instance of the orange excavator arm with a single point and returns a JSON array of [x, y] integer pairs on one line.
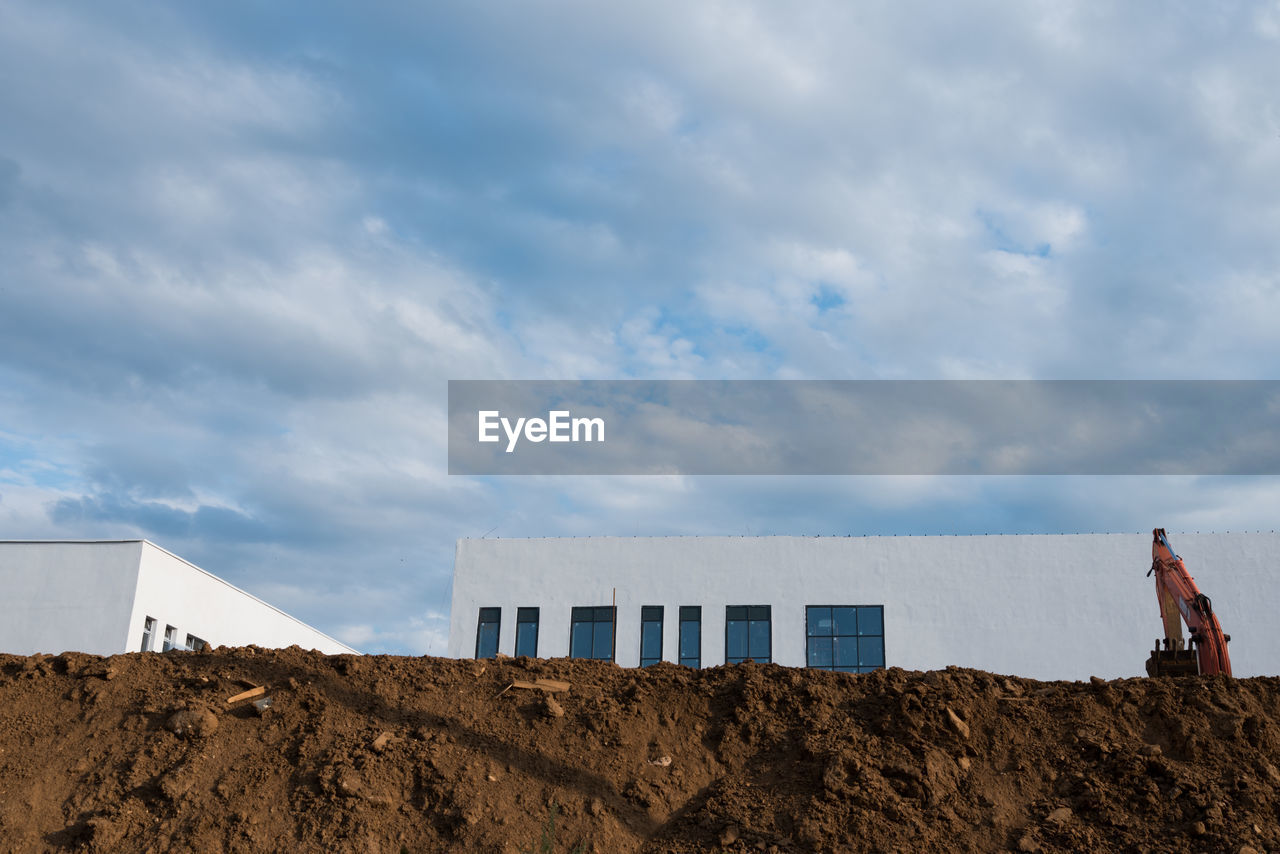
[[1181, 601]]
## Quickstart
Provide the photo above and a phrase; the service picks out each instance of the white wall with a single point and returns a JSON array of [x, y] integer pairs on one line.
[[59, 597], [193, 601], [94, 597], [1046, 606]]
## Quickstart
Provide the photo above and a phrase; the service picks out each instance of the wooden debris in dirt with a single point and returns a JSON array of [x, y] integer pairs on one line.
[[247, 695], [549, 686]]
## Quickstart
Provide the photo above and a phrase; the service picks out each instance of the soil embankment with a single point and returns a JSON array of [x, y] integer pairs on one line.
[[142, 752]]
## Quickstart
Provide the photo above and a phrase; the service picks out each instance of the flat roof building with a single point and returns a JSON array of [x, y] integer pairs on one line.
[[1045, 606], [114, 596]]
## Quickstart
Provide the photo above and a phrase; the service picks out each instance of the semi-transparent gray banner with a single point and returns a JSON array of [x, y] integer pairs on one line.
[[864, 427]]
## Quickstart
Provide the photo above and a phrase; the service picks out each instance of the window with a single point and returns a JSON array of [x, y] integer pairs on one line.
[[527, 632], [148, 633], [170, 638], [691, 635], [591, 633], [650, 635], [848, 638], [747, 634], [195, 643], [487, 633]]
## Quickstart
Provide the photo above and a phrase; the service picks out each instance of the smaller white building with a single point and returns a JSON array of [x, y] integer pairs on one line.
[[109, 597]]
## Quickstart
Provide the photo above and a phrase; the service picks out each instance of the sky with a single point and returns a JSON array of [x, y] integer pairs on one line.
[[245, 246]]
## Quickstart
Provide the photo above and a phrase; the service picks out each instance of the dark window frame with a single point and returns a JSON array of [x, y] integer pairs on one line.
[[768, 618], [858, 634], [647, 613], [576, 617], [689, 614], [522, 619], [496, 620]]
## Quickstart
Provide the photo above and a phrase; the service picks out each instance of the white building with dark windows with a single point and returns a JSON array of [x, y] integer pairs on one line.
[[108, 597], [1045, 606]]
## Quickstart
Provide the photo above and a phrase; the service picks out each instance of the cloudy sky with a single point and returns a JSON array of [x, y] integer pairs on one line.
[[244, 246]]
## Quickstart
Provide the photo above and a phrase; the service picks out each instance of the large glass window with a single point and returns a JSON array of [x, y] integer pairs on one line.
[[591, 633], [848, 638], [650, 635], [487, 632], [747, 633], [527, 632], [148, 633], [691, 635]]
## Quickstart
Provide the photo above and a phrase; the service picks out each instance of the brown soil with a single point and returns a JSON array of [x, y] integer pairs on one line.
[[141, 752]]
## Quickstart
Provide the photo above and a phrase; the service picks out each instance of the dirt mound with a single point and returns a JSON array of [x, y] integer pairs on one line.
[[142, 752]]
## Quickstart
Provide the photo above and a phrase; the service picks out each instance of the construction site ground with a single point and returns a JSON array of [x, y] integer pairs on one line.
[[144, 753]]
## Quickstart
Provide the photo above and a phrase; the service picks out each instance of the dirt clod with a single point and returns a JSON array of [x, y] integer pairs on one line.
[[957, 723], [383, 741], [197, 722]]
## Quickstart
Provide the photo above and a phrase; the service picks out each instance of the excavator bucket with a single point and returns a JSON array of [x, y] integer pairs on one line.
[[1173, 662]]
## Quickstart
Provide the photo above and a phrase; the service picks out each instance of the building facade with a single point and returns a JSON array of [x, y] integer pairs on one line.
[[108, 597], [1044, 606]]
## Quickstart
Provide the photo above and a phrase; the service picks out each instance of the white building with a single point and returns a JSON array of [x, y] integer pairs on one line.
[[108, 597], [1044, 606]]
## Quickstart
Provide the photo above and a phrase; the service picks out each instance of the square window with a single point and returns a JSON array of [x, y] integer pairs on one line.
[[853, 634], [591, 633], [820, 652], [846, 621], [820, 623], [871, 621], [846, 651]]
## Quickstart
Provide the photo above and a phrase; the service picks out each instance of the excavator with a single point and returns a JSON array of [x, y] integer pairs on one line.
[[1180, 600]]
